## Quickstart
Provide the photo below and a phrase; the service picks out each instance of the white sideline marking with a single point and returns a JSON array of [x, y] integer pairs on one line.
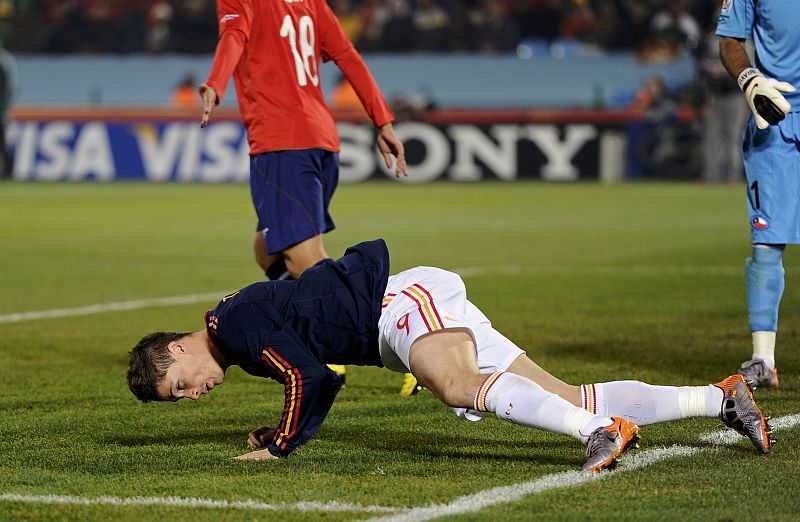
[[728, 437], [465, 504], [100, 308], [195, 502], [505, 494]]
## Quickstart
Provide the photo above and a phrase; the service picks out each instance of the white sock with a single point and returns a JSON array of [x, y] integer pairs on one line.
[[517, 399], [700, 401], [647, 404], [764, 347]]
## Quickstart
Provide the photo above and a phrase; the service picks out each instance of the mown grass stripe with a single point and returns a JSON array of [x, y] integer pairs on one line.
[[622, 270], [195, 502], [465, 504], [474, 271], [507, 494]]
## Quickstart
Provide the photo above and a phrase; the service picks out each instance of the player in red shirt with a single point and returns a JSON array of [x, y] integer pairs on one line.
[[273, 50]]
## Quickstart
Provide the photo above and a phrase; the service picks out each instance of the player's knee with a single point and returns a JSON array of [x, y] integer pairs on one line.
[[263, 259], [452, 391], [764, 265], [767, 254], [450, 398]]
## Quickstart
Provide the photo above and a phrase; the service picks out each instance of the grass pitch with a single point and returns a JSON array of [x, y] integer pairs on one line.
[[640, 281]]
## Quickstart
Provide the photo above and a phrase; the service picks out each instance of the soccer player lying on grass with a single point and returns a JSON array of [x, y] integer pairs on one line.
[[350, 311]]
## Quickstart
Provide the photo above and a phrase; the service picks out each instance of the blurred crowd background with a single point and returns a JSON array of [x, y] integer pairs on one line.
[[486, 26], [654, 32]]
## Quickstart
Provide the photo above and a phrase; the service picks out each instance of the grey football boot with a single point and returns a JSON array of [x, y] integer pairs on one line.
[[756, 372], [607, 443], [741, 413]]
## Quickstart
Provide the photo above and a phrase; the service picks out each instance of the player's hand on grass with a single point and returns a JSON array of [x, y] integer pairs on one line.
[[209, 97], [263, 454], [260, 438], [764, 97], [390, 145]]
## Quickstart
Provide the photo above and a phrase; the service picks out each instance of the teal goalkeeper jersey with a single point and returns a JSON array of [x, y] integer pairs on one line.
[[774, 27]]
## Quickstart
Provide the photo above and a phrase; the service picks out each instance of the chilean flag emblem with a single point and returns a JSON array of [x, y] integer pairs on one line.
[[759, 223]]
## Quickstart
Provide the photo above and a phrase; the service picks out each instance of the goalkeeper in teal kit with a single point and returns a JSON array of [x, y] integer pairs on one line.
[[771, 156]]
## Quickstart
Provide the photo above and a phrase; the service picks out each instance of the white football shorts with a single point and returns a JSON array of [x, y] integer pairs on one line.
[[425, 299]]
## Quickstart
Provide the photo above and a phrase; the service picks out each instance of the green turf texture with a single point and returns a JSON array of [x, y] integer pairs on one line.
[[637, 281]]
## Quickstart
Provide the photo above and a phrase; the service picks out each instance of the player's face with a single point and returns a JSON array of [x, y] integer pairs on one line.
[[190, 376]]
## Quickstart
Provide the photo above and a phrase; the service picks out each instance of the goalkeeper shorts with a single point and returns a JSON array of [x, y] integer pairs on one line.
[[772, 169]]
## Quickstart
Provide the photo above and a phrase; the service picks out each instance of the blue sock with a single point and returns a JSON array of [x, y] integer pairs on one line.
[[764, 282]]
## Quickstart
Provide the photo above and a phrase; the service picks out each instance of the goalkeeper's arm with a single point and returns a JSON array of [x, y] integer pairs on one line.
[[763, 94]]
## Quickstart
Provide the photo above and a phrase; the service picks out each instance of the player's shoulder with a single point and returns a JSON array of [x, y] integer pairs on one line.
[[734, 20], [243, 301], [300, 4], [732, 8], [248, 312], [311, 8], [306, 3]]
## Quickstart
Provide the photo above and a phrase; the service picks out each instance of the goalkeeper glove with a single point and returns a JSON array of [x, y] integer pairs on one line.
[[764, 96]]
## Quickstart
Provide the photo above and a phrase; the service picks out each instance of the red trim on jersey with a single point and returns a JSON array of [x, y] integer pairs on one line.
[[299, 387], [293, 387], [210, 332]]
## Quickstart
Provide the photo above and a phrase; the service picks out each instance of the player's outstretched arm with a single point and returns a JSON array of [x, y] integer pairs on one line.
[[226, 58], [763, 94], [390, 145], [209, 97]]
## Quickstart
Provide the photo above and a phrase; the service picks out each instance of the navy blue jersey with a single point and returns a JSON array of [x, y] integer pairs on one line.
[[289, 331]]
